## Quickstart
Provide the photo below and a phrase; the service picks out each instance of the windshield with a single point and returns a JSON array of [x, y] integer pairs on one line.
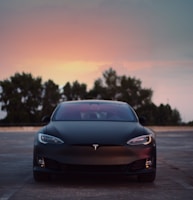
[[91, 111]]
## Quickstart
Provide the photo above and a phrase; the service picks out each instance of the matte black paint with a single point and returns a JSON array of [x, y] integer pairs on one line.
[[78, 150]]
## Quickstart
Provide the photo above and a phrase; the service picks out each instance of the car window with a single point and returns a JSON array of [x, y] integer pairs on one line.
[[94, 112]]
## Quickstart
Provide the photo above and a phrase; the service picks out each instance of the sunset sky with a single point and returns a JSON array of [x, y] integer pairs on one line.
[[68, 40]]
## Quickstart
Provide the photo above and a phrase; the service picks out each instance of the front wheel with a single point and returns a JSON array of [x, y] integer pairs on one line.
[[149, 177]]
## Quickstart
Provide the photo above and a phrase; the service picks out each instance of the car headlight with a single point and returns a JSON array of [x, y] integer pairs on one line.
[[48, 139], [144, 139]]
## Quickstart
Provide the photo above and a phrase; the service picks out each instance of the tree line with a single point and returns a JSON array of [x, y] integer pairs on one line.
[[27, 99]]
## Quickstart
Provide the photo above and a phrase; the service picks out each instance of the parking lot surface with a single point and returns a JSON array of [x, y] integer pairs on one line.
[[174, 173]]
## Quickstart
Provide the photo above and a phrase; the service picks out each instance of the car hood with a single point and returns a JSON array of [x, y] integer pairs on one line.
[[82, 133]]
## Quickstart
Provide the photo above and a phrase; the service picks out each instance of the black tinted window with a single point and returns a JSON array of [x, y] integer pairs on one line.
[[94, 111]]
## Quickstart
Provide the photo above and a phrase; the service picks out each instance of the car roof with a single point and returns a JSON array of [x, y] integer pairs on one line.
[[95, 101]]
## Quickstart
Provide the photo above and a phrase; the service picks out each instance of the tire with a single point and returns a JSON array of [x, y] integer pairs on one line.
[[40, 176], [149, 177]]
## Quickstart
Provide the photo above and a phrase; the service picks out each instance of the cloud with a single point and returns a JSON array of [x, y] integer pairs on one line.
[[172, 29]]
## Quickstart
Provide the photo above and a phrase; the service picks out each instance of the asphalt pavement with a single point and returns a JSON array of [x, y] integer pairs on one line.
[[174, 172]]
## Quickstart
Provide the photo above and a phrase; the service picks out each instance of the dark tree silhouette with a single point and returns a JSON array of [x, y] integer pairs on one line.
[[21, 97], [75, 91], [50, 97], [26, 99], [122, 88]]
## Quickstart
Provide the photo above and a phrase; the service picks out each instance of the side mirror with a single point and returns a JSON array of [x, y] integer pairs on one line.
[[46, 119], [142, 120]]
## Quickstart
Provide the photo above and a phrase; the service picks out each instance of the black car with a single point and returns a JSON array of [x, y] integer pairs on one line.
[[94, 136]]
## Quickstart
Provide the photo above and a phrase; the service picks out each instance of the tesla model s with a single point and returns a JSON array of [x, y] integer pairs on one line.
[[94, 136]]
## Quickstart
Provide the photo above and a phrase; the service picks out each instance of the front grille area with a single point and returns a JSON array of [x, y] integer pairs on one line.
[[96, 168], [137, 165]]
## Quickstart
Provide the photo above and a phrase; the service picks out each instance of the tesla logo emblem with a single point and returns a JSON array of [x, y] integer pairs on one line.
[[95, 146]]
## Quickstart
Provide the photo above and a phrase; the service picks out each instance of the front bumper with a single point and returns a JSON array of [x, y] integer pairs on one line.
[[104, 160], [137, 167]]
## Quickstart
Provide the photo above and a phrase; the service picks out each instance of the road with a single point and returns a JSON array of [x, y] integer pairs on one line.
[[174, 173]]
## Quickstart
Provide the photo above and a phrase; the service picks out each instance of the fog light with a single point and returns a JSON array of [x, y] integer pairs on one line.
[[148, 163], [41, 162]]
